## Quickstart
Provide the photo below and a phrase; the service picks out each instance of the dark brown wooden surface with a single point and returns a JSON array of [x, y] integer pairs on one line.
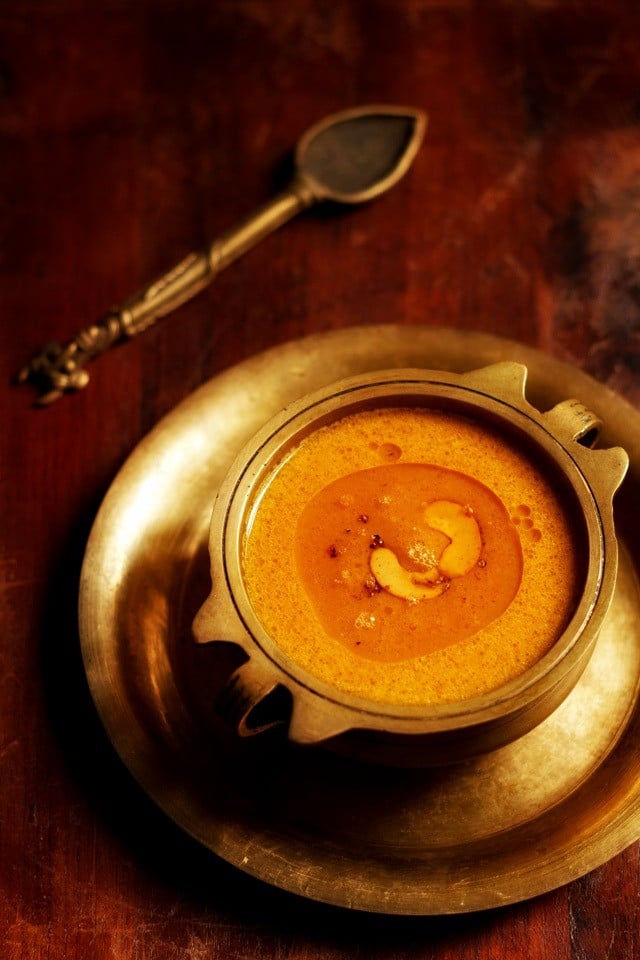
[[132, 131]]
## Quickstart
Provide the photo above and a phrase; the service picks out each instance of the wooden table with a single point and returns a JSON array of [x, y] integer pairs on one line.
[[132, 133]]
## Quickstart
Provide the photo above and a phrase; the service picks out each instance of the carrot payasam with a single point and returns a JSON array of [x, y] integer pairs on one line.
[[411, 556]]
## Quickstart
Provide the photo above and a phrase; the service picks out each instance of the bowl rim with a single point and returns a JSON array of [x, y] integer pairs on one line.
[[265, 452]]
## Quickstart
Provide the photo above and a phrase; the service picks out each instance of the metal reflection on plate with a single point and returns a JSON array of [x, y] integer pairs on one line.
[[515, 823]]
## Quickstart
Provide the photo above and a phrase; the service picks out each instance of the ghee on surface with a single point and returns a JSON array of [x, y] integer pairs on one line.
[[410, 556]]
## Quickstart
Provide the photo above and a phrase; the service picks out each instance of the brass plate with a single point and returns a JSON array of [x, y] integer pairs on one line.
[[521, 821]]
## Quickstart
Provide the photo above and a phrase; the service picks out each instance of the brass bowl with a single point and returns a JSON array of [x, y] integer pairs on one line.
[[270, 689]]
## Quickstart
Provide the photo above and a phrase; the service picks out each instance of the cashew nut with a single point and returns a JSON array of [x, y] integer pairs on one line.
[[459, 524], [458, 558], [405, 584]]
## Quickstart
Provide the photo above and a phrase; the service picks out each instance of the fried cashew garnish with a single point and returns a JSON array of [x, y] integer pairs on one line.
[[460, 555]]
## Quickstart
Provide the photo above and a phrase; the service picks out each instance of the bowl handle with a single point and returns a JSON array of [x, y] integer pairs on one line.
[[248, 688], [572, 421]]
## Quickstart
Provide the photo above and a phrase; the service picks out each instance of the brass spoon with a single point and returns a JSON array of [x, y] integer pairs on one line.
[[349, 157]]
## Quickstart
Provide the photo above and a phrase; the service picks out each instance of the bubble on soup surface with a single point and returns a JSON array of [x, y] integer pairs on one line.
[[365, 621], [390, 452]]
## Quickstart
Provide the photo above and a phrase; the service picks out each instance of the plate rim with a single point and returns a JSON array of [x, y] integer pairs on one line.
[[425, 339]]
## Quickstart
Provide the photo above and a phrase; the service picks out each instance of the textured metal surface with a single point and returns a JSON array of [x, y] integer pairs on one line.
[[518, 822]]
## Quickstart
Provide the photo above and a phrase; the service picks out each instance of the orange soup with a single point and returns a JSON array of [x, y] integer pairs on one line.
[[410, 556]]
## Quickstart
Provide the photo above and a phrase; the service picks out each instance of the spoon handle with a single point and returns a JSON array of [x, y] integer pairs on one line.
[[59, 369]]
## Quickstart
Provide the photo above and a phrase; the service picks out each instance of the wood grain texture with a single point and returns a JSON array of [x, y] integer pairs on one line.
[[131, 133]]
